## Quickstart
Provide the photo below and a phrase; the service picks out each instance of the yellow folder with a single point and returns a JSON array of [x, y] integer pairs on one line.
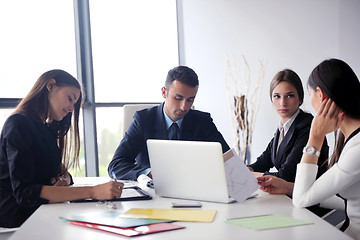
[[184, 215]]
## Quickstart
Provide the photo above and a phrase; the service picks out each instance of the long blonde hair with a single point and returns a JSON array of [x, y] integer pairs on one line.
[[36, 105]]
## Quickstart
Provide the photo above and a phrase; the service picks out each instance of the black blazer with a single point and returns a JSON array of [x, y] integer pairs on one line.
[[29, 158], [290, 151], [131, 157]]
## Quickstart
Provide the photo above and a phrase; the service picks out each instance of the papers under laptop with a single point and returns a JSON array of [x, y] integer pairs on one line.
[[196, 170]]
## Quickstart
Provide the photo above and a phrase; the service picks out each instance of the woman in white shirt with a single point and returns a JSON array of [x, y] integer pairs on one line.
[[335, 95]]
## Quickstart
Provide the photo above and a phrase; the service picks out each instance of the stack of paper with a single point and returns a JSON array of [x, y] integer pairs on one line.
[[109, 221], [110, 218], [130, 231], [139, 221]]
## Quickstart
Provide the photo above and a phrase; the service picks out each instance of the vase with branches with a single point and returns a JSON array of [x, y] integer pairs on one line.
[[244, 95]]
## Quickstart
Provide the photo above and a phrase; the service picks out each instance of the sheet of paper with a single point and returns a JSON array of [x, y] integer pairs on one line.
[[92, 181], [241, 183], [185, 215], [266, 222], [129, 192]]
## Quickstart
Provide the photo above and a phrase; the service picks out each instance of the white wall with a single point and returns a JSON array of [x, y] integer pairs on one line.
[[288, 33]]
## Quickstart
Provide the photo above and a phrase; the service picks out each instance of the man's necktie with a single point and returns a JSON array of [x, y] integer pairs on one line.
[[174, 134]]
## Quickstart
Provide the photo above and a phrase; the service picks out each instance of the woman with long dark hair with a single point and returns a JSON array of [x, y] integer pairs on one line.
[[335, 95], [39, 143]]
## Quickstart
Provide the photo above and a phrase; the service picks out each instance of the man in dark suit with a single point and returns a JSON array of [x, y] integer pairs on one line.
[[173, 119]]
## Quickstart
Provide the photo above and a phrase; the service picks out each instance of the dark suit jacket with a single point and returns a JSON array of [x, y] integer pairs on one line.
[[290, 151], [131, 157], [29, 158]]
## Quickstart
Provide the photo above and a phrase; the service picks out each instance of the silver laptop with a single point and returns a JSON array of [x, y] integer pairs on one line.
[[188, 170]]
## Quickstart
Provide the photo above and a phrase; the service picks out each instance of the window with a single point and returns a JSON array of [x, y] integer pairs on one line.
[[108, 121], [4, 114], [134, 45], [36, 36]]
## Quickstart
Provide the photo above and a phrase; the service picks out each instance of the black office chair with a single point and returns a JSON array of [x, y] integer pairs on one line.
[[335, 217]]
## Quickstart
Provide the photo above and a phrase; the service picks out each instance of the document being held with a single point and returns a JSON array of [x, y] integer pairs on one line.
[[241, 183]]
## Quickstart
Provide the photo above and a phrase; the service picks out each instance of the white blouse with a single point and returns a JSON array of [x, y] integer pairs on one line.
[[342, 178]]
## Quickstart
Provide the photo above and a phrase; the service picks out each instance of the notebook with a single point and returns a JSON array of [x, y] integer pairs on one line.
[[188, 170]]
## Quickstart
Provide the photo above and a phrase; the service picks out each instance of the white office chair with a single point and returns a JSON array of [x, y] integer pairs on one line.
[[128, 114]]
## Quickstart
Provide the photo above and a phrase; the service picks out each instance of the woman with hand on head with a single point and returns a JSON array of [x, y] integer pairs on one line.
[[39, 143], [335, 96], [285, 149]]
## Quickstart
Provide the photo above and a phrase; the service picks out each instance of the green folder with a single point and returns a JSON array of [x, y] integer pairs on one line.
[[266, 222]]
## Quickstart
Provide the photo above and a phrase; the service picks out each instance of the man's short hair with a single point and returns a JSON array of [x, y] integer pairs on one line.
[[184, 75]]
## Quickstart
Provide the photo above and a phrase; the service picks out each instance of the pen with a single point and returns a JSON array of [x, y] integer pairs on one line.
[[114, 176]]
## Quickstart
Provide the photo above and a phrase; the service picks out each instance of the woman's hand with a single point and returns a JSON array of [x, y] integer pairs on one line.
[[327, 119], [107, 190], [275, 185]]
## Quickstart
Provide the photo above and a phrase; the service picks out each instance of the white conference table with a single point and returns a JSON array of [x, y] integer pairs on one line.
[[45, 224]]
